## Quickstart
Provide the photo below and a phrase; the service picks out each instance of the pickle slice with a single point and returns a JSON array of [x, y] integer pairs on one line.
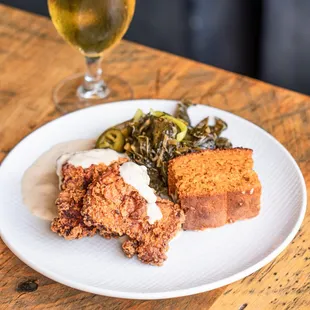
[[111, 139]]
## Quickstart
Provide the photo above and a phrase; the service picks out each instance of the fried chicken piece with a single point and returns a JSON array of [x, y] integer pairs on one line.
[[151, 246], [113, 206], [117, 208], [69, 223]]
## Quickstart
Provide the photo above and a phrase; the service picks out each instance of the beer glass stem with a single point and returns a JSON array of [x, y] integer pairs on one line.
[[93, 86]]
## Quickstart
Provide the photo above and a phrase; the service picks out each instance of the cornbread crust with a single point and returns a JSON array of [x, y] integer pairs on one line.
[[215, 187]]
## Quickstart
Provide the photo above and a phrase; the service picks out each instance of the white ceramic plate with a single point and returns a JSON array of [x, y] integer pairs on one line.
[[198, 261]]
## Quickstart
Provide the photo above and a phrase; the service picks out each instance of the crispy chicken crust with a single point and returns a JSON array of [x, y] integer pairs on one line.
[[117, 209], [152, 245], [114, 207], [97, 199], [69, 223]]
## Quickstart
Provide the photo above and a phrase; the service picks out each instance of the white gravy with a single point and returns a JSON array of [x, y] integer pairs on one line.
[[40, 182], [87, 158]]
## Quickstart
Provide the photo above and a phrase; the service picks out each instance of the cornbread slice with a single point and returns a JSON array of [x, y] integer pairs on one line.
[[215, 187]]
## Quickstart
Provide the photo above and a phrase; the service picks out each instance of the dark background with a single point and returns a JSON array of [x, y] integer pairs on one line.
[[265, 39]]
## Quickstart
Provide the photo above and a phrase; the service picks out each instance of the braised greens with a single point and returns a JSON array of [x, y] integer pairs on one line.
[[153, 139]]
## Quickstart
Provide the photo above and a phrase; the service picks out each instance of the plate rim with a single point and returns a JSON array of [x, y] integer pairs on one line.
[[174, 293]]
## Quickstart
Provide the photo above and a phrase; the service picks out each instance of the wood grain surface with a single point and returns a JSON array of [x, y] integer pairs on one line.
[[33, 59]]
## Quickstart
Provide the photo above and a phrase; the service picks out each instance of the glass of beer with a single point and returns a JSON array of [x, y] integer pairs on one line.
[[91, 26]]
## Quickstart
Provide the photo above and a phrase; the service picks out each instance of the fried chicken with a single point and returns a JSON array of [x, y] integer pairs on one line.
[[69, 223], [152, 245], [113, 206], [117, 208], [98, 199]]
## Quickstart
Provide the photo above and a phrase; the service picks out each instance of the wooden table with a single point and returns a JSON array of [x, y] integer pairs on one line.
[[33, 58]]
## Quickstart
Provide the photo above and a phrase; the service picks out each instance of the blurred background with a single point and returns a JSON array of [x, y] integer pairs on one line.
[[265, 39]]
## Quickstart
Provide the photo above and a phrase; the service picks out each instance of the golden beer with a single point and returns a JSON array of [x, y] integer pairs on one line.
[[92, 25]]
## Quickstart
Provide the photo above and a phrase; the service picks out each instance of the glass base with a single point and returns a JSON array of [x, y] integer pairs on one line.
[[100, 91], [69, 96]]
